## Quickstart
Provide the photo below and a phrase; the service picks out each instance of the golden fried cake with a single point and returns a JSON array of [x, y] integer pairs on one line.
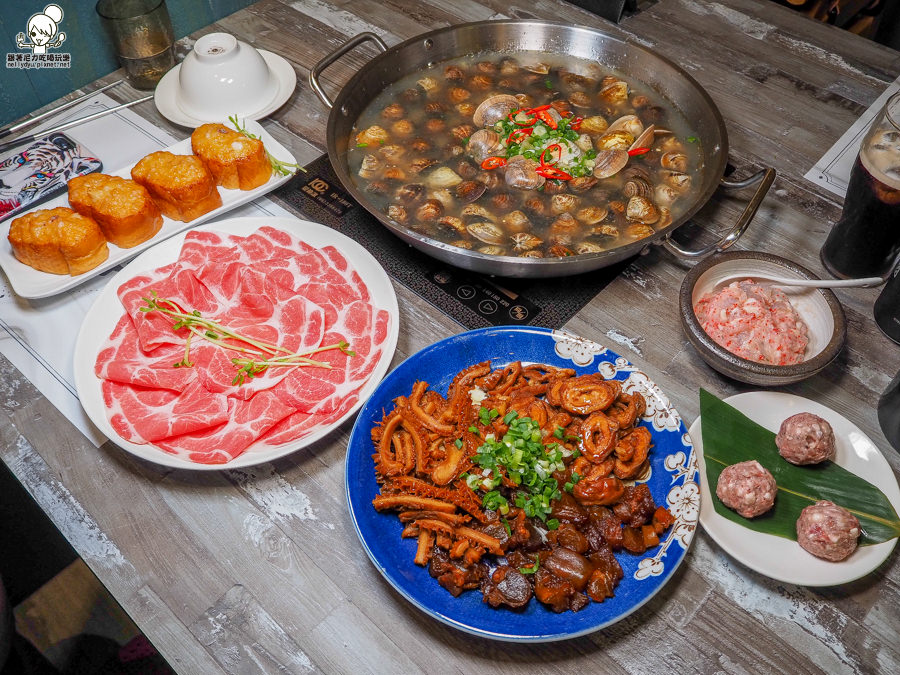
[[181, 185], [123, 209], [59, 241], [236, 161]]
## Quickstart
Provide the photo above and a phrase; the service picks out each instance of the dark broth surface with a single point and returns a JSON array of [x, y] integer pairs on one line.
[[583, 160]]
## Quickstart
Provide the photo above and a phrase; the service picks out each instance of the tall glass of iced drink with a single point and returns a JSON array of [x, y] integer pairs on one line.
[[865, 242]]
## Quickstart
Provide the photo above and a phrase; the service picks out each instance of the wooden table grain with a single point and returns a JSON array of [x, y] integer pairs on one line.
[[259, 570]]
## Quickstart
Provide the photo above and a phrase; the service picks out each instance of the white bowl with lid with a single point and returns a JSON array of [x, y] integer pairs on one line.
[[224, 76]]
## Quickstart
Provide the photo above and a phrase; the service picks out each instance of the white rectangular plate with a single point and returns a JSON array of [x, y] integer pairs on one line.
[[28, 282]]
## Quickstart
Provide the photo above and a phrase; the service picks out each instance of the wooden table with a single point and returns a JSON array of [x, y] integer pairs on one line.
[[259, 570]]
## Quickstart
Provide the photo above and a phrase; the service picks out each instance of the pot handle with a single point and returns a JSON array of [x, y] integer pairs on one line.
[[326, 61], [765, 178]]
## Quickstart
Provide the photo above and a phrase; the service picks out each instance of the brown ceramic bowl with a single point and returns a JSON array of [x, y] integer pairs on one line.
[[818, 307]]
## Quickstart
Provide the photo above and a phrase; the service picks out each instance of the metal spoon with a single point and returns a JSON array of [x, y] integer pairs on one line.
[[866, 282]]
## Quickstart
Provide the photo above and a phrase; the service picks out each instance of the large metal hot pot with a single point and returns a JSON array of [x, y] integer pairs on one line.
[[419, 53]]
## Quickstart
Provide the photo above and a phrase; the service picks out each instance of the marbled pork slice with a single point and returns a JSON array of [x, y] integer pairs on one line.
[[264, 311], [202, 246], [317, 390], [122, 360], [247, 421], [174, 282], [143, 415], [299, 424]]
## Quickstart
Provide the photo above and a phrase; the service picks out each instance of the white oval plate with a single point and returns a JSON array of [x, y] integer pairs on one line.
[[28, 282], [103, 315], [783, 559], [167, 99]]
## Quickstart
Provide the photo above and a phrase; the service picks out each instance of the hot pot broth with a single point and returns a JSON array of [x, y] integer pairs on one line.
[[525, 155]]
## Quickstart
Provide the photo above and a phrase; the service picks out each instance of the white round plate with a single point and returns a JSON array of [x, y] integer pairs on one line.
[[105, 313], [783, 559], [167, 99]]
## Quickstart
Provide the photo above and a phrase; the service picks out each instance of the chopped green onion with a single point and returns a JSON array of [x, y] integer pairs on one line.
[[458, 443]]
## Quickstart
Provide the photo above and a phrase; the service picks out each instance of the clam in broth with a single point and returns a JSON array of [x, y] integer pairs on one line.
[[525, 156]]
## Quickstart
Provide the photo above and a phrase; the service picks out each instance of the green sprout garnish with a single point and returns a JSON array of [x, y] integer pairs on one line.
[[278, 166], [257, 356]]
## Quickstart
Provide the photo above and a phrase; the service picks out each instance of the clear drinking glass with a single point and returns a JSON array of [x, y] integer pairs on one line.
[[866, 240], [141, 31]]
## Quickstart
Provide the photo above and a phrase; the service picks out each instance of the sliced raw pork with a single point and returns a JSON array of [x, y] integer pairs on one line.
[[267, 287]]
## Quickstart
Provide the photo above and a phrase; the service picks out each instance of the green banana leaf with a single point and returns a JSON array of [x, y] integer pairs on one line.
[[730, 437]]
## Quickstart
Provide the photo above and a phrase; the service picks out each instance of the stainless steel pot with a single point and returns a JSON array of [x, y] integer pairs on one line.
[[421, 52]]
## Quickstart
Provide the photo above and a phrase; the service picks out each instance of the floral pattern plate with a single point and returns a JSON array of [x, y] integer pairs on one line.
[[673, 481]]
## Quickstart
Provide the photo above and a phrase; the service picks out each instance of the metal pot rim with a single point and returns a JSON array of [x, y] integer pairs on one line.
[[712, 171]]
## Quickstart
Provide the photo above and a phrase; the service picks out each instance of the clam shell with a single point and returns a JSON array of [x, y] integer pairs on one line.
[[590, 215], [639, 231], [539, 68], [430, 210], [630, 123], [470, 190], [641, 210], [369, 167], [594, 124], [588, 247], [477, 211], [398, 213], [645, 138], [525, 241], [428, 83], [483, 144], [531, 254], [606, 230], [487, 232], [563, 203], [452, 224], [679, 181], [410, 192], [458, 94], [402, 128], [494, 109], [609, 162], [443, 177], [582, 183], [637, 187], [615, 140], [584, 143], [614, 92], [515, 221], [521, 174], [492, 250], [676, 161], [372, 136], [665, 195]]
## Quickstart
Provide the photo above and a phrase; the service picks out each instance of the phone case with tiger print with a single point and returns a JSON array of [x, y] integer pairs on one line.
[[41, 171]]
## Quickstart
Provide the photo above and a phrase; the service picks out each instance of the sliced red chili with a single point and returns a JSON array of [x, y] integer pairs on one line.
[[519, 135], [548, 171], [555, 147], [545, 117], [529, 121], [493, 162], [576, 124], [634, 152], [540, 108]]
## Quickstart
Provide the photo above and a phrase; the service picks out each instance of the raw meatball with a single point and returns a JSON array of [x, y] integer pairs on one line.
[[747, 487], [805, 438], [827, 531]]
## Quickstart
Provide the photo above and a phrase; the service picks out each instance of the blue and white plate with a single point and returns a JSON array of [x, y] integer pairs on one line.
[[673, 481]]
